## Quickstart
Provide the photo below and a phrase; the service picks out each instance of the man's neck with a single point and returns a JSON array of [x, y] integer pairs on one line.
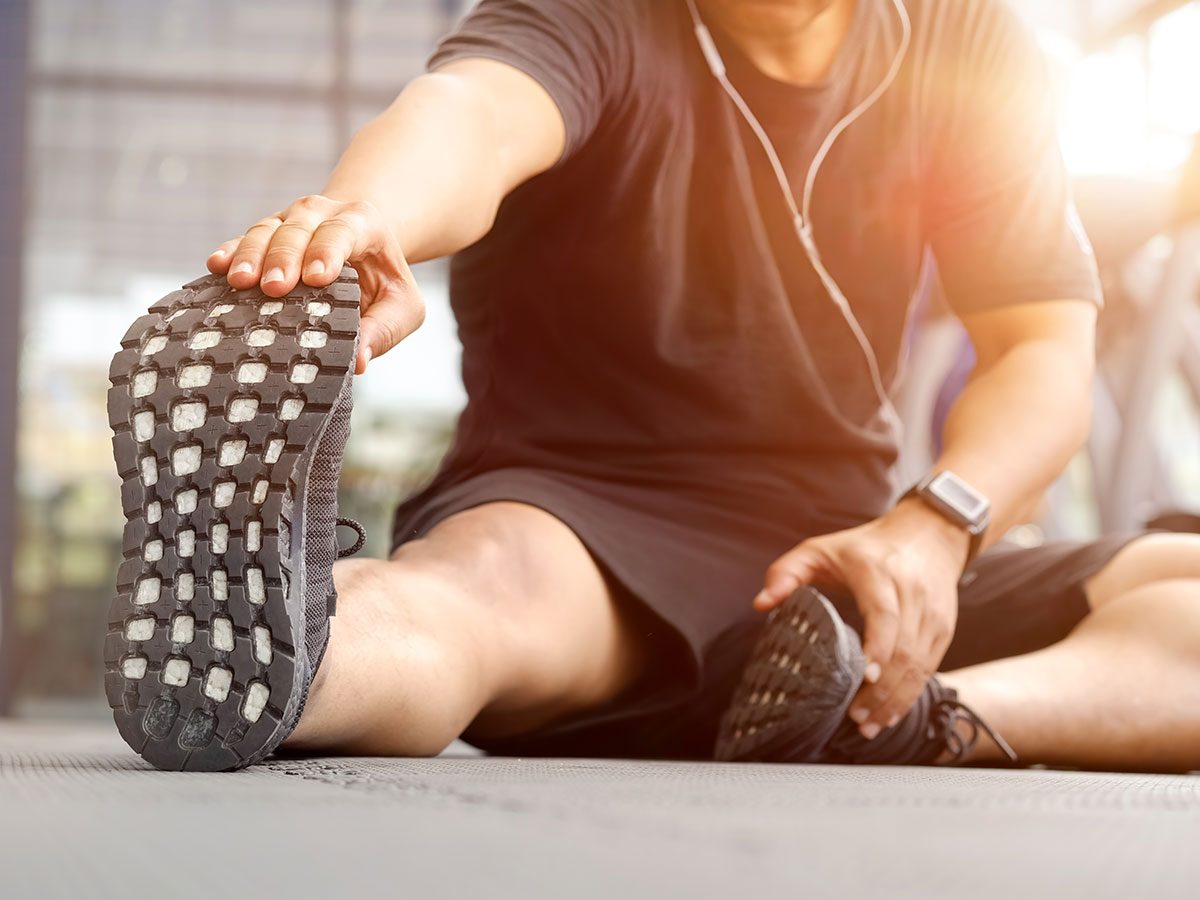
[[790, 40]]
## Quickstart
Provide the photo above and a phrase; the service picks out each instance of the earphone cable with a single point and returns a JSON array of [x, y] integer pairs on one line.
[[801, 214]]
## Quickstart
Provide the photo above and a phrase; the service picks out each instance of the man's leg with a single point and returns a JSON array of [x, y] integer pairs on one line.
[[1122, 691], [499, 616]]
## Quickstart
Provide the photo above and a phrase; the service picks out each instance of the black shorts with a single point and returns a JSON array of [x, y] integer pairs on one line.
[[688, 569]]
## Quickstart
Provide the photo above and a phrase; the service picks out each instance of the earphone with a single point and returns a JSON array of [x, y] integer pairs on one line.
[[802, 212]]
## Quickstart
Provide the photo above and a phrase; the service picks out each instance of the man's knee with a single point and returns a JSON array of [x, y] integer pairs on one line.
[[1146, 560]]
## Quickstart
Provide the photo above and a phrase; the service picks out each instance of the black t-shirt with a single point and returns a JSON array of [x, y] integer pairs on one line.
[[643, 312]]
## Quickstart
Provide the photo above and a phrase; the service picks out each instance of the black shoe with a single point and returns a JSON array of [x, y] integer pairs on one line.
[[230, 411], [795, 692], [797, 687]]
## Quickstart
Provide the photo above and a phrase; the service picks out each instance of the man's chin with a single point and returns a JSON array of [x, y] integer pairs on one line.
[[769, 16]]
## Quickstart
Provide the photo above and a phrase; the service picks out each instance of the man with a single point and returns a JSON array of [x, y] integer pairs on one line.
[[671, 415]]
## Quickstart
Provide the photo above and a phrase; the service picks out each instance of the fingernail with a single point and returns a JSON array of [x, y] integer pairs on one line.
[[872, 672], [316, 267], [220, 251], [870, 732], [761, 598], [275, 274], [859, 715], [243, 266], [366, 356], [894, 721]]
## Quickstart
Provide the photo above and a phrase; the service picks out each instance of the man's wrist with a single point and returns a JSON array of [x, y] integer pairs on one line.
[[956, 501], [915, 513]]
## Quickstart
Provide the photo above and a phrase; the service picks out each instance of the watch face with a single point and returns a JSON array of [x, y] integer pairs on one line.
[[955, 493]]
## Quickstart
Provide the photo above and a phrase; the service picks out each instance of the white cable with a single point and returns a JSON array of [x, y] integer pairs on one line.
[[806, 233], [713, 56], [801, 215]]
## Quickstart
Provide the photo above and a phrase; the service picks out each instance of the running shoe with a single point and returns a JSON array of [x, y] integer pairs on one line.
[[796, 689], [794, 695], [230, 411]]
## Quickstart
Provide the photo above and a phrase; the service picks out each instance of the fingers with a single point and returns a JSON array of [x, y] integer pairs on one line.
[[929, 610], [245, 267], [220, 259], [282, 261], [331, 247], [915, 674], [902, 677], [287, 253], [879, 602], [792, 570], [270, 254]]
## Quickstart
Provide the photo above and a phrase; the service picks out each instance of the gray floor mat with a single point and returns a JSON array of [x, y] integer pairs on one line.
[[81, 816]]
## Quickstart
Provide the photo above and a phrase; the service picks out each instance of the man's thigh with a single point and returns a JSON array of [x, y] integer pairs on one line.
[[558, 634], [1149, 559], [1014, 600]]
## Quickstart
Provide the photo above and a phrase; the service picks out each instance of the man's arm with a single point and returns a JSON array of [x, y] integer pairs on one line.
[[1021, 418], [424, 179], [1017, 270], [1027, 408], [438, 162]]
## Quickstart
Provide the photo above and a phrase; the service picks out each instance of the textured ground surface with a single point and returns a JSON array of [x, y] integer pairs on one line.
[[81, 816]]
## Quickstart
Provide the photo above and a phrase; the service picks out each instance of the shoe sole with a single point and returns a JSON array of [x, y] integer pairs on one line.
[[216, 396], [796, 688]]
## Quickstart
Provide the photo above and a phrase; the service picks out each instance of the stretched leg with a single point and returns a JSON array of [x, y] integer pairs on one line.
[[498, 617], [1122, 691]]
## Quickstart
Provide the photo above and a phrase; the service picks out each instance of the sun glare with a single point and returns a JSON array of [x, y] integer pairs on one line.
[[1131, 109], [1175, 78]]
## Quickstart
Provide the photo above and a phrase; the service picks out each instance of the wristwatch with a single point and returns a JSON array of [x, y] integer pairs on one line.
[[957, 502]]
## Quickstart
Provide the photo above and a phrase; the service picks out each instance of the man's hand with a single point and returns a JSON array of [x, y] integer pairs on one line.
[[903, 571], [427, 175], [311, 240]]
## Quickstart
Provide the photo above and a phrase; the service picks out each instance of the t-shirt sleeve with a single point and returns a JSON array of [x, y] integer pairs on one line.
[[998, 207], [577, 50]]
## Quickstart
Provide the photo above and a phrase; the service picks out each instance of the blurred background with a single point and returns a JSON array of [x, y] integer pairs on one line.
[[135, 135]]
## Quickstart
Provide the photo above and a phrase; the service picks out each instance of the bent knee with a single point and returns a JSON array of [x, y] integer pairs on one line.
[[1146, 560]]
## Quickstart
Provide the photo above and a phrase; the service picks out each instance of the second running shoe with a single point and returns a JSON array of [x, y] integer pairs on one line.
[[794, 694]]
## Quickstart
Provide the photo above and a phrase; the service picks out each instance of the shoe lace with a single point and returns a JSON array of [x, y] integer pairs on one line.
[[358, 544], [923, 737], [947, 713]]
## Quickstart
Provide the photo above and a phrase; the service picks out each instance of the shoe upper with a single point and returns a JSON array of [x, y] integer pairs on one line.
[[939, 729], [317, 515]]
